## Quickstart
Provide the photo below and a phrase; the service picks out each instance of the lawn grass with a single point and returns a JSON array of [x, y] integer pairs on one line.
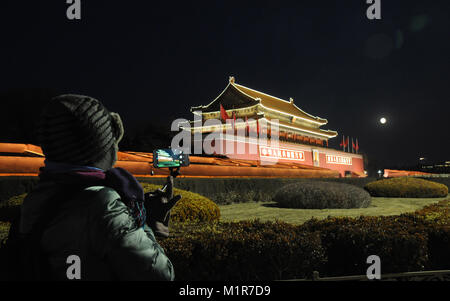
[[267, 211]]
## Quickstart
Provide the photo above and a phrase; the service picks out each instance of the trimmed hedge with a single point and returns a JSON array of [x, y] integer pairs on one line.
[[11, 208], [224, 191], [348, 243], [407, 242], [406, 187], [321, 195], [253, 250], [191, 207], [219, 190], [245, 251], [442, 180]]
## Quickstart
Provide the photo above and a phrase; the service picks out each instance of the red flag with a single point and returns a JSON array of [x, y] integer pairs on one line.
[[343, 141], [353, 145], [223, 114], [346, 142], [357, 146]]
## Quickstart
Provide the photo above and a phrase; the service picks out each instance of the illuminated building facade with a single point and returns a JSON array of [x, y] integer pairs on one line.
[[252, 120]]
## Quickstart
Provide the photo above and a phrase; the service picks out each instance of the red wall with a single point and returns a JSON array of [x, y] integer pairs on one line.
[[343, 161]]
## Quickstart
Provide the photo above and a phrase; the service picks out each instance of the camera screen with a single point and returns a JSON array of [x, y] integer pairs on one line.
[[170, 158]]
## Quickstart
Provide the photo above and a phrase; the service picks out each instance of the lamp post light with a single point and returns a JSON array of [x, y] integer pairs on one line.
[[422, 161]]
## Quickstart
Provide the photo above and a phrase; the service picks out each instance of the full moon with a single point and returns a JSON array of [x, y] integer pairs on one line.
[[383, 120]]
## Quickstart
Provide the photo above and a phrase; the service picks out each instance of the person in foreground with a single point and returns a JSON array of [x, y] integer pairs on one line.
[[84, 208]]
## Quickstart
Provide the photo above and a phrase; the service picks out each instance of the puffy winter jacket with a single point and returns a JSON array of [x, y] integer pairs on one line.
[[94, 224]]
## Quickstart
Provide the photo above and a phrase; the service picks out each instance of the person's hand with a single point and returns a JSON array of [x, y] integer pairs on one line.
[[158, 205]]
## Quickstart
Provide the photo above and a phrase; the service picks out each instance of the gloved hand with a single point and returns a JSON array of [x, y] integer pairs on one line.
[[158, 205]]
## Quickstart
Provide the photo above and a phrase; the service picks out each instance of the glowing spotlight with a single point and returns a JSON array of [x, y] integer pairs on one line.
[[383, 120]]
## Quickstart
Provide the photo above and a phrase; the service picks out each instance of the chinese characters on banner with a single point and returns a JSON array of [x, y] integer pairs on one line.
[[281, 153], [333, 159]]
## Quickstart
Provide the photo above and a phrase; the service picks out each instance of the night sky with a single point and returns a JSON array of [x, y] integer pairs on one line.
[[153, 60]]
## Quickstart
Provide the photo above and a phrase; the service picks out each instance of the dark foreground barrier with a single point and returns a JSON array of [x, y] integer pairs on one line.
[[442, 275]]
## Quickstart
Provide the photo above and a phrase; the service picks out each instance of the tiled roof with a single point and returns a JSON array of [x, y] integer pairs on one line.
[[278, 104]]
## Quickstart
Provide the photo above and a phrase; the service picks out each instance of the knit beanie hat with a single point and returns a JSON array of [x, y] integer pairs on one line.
[[78, 130]]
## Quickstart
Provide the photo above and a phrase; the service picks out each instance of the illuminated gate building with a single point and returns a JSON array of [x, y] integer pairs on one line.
[[260, 127]]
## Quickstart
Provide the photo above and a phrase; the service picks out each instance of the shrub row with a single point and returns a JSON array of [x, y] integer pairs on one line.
[[407, 242], [348, 243], [246, 250], [253, 250], [225, 191], [219, 190], [406, 187], [441, 180], [320, 195]]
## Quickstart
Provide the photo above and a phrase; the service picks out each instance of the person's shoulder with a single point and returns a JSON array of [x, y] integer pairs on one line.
[[102, 197], [109, 211], [102, 192]]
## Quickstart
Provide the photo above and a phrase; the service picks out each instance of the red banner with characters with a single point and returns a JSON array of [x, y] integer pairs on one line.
[[281, 153], [334, 159]]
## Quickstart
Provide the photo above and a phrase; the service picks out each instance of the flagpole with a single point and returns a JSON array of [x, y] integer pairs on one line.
[[349, 144], [352, 146]]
